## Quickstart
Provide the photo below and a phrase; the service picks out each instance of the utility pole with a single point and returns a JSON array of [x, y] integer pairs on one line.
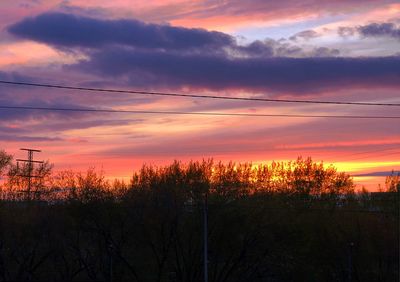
[[111, 261], [205, 218], [350, 267], [30, 163], [398, 229]]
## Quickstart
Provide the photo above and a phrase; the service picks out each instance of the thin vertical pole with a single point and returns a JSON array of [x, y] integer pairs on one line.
[[350, 273], [205, 238], [398, 229], [111, 262]]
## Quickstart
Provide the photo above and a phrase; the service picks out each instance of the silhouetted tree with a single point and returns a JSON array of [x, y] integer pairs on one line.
[[296, 221], [392, 182], [5, 161]]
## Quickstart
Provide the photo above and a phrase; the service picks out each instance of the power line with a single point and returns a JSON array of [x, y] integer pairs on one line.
[[56, 109], [195, 95]]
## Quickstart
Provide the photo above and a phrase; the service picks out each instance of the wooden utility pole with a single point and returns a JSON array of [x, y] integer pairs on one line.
[[30, 163]]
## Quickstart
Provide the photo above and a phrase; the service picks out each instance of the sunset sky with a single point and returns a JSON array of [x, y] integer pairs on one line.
[[289, 49]]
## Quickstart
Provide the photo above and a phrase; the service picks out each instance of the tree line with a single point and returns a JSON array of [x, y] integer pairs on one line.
[[295, 221]]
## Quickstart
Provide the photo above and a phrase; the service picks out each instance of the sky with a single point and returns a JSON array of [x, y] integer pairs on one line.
[[346, 51]]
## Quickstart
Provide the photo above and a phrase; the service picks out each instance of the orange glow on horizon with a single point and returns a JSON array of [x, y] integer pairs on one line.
[[122, 168], [121, 144]]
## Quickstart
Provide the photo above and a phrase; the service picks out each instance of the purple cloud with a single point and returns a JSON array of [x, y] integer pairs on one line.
[[387, 29], [212, 71], [67, 30], [380, 29], [176, 57]]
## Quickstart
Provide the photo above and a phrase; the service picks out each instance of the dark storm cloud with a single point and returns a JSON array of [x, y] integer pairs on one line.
[[69, 30], [380, 29], [220, 72], [372, 30], [174, 57], [279, 48], [257, 49]]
